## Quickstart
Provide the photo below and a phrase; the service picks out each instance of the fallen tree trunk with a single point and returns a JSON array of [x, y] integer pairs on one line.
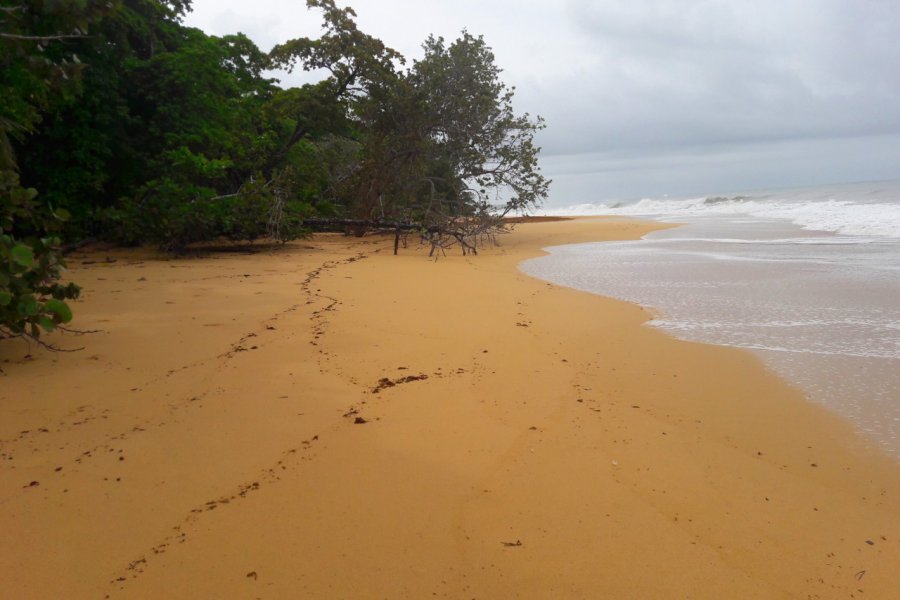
[[465, 232]]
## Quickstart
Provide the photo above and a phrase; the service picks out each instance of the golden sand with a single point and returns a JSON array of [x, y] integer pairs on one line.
[[326, 420]]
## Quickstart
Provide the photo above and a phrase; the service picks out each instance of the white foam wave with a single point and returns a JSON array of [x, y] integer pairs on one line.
[[757, 336], [873, 323], [810, 241], [879, 219]]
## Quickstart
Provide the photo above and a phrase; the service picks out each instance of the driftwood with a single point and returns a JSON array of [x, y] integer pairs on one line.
[[467, 232], [69, 248]]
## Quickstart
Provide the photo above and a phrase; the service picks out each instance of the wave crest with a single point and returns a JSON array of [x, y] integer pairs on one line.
[[847, 217]]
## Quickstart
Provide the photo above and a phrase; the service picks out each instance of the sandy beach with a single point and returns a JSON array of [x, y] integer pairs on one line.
[[326, 420]]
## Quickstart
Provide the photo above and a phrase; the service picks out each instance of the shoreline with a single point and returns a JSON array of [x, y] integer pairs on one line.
[[556, 266], [518, 439], [858, 386]]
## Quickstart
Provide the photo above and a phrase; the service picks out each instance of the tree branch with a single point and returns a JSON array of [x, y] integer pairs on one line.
[[42, 38]]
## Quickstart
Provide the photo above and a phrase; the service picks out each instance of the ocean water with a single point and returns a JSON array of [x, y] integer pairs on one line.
[[809, 279]]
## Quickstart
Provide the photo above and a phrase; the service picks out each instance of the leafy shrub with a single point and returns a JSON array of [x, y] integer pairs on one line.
[[175, 215], [32, 299]]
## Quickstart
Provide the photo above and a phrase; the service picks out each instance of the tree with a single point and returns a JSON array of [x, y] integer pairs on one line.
[[168, 125], [198, 108], [356, 62], [36, 68], [482, 154], [443, 151], [487, 151], [90, 149], [36, 64]]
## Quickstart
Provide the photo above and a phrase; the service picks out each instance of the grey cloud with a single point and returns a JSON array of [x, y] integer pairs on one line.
[[691, 72]]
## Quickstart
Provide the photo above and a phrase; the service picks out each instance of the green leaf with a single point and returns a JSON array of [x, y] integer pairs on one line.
[[46, 323], [5, 298], [60, 309], [28, 306], [23, 255]]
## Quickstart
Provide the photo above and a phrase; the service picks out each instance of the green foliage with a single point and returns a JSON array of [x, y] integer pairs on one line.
[[36, 70], [35, 65], [32, 299], [441, 140], [268, 208], [175, 137], [355, 59], [480, 142]]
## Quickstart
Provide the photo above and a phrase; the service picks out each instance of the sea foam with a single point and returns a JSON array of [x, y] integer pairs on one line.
[[846, 211]]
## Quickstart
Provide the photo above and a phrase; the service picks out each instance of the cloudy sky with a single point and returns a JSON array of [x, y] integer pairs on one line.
[[650, 97]]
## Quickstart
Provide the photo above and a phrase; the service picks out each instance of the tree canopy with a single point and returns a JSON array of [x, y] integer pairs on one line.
[[118, 122]]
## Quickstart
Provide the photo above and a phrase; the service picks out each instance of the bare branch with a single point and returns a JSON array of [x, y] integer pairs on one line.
[[42, 38]]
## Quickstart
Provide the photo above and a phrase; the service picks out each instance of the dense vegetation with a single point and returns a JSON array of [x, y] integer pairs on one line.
[[117, 122]]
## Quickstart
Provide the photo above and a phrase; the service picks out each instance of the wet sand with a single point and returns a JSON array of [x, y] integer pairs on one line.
[[326, 420]]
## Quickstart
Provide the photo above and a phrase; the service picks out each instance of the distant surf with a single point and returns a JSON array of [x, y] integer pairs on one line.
[[863, 209]]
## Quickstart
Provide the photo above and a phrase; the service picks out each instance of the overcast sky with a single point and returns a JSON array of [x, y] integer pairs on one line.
[[650, 97]]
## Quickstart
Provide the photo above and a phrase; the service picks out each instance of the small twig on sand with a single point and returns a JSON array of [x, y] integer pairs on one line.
[[78, 331]]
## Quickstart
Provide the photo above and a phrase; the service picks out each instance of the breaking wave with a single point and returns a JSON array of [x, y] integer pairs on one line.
[[854, 214]]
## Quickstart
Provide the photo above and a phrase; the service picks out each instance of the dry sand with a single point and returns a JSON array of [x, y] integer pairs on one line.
[[330, 421]]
